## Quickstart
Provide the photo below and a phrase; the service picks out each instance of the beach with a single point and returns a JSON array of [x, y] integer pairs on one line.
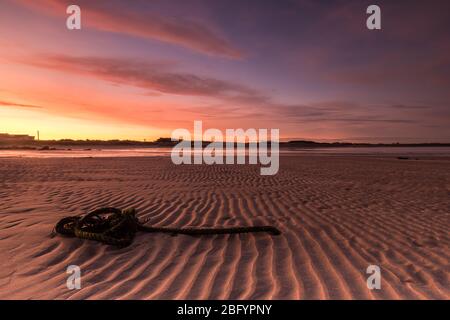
[[338, 214]]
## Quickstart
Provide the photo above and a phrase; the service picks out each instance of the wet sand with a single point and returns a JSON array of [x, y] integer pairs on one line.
[[338, 215]]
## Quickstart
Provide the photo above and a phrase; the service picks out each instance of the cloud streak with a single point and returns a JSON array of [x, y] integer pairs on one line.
[[19, 105], [114, 16], [150, 76]]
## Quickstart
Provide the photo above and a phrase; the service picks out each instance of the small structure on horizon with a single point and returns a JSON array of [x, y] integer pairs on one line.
[[6, 137]]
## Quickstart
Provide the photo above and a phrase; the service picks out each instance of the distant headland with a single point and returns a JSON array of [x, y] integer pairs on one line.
[[9, 141]]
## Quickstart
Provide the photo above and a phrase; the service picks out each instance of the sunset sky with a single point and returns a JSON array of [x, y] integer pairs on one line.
[[140, 69]]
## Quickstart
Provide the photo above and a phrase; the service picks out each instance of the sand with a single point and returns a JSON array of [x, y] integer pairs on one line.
[[338, 215]]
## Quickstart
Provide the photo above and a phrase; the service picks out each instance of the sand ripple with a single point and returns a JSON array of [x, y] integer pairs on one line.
[[337, 214]]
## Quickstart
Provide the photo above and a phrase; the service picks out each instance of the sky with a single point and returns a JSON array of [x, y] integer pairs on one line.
[[141, 69]]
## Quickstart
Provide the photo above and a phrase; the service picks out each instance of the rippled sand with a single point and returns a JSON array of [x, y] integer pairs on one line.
[[338, 214]]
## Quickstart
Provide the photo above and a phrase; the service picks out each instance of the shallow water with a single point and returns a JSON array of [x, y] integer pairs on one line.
[[158, 152]]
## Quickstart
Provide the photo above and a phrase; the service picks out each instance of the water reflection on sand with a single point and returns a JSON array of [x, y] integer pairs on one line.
[[161, 152]]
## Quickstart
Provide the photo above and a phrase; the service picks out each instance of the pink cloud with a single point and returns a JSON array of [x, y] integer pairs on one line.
[[110, 16], [151, 76]]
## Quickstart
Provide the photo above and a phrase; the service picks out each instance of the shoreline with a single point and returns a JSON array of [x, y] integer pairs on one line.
[[404, 153]]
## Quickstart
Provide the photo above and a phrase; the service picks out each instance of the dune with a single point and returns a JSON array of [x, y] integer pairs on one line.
[[337, 214]]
